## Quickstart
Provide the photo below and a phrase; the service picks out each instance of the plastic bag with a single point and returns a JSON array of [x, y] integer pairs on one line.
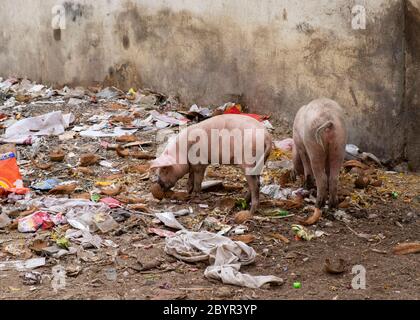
[[10, 177]]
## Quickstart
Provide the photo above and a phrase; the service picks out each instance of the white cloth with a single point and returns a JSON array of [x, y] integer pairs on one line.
[[225, 256]]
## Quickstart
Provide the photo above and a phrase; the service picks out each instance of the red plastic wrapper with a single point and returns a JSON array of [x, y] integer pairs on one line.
[[237, 109]]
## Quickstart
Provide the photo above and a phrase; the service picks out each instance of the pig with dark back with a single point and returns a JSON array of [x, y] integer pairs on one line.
[[228, 138], [320, 135]]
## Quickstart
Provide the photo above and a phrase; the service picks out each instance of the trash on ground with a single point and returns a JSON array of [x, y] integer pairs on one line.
[[224, 255], [27, 130], [22, 265], [302, 233], [169, 220], [314, 218]]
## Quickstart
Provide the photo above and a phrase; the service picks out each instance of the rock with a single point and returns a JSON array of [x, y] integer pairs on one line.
[[401, 168], [411, 217], [328, 224]]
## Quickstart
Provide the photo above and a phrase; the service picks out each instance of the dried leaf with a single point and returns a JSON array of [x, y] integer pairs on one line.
[[63, 189], [123, 153], [245, 238], [314, 218], [85, 195], [139, 207], [161, 232], [127, 138], [279, 237], [42, 166], [88, 159], [141, 155], [243, 216], [361, 181], [84, 170], [227, 204], [140, 168], [57, 156], [111, 192], [355, 163], [129, 200], [407, 248], [179, 196], [38, 245], [126, 120]]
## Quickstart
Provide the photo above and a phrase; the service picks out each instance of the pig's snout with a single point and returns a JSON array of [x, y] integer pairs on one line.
[[165, 186]]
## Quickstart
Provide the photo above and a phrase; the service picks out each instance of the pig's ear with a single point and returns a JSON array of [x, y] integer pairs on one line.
[[164, 160]]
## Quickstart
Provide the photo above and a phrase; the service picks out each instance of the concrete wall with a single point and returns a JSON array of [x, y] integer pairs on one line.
[[272, 55], [413, 83]]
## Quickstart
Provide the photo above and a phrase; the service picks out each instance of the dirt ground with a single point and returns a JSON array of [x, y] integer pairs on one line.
[[382, 218]]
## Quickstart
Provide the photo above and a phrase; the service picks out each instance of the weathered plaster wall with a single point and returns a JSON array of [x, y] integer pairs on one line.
[[413, 83], [272, 55]]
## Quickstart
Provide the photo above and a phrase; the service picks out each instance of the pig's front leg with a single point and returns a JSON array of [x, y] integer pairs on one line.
[[254, 189], [297, 165], [198, 176], [334, 164], [190, 185]]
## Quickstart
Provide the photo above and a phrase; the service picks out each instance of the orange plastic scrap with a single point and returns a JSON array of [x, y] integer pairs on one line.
[[10, 178], [237, 109]]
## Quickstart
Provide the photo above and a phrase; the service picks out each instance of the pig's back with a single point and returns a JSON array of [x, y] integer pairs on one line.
[[324, 110], [234, 121], [318, 112]]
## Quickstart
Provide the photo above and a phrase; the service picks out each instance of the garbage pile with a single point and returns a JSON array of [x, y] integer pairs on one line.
[[74, 178]]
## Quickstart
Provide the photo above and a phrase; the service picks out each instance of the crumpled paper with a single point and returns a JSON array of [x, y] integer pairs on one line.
[[225, 256], [26, 130]]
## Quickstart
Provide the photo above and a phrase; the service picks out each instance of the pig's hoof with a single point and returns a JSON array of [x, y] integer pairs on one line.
[[333, 203], [194, 194]]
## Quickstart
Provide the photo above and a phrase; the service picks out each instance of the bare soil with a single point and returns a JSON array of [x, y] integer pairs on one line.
[[389, 220]]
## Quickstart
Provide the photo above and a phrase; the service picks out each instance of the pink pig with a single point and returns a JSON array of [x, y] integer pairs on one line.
[[224, 139], [319, 134]]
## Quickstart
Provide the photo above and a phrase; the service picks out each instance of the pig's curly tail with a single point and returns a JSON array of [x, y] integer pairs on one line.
[[327, 125]]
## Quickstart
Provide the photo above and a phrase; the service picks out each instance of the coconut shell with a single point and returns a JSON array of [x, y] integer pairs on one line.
[[157, 191]]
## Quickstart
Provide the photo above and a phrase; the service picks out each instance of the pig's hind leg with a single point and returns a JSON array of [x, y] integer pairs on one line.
[[318, 159], [308, 182], [190, 185], [254, 190], [297, 165], [335, 160]]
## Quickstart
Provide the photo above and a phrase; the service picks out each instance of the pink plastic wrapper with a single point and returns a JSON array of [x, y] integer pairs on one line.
[[111, 202], [284, 145], [37, 220]]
